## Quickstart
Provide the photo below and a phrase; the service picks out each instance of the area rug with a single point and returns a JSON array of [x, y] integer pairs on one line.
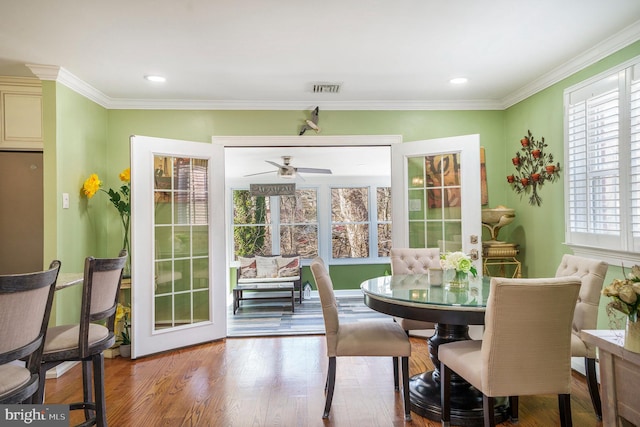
[[273, 318]]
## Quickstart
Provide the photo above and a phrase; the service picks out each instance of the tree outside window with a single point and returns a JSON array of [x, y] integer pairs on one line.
[[350, 222], [299, 223]]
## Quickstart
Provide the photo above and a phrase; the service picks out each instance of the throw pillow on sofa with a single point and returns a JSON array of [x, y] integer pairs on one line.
[[248, 268], [266, 266], [288, 266]]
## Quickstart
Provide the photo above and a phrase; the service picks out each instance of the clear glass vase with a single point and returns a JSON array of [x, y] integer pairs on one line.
[[632, 336], [126, 272], [456, 278]]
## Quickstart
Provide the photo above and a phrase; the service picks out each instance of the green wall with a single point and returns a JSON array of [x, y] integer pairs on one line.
[[75, 146], [82, 137], [540, 230]]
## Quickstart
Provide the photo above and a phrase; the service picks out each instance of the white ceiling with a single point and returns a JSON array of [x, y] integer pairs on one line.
[[267, 54], [257, 54]]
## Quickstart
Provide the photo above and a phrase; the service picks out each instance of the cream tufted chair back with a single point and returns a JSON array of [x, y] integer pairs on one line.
[[414, 260], [591, 273]]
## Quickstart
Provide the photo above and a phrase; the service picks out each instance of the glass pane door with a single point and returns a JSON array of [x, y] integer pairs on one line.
[[437, 196], [435, 218], [179, 279], [181, 237]]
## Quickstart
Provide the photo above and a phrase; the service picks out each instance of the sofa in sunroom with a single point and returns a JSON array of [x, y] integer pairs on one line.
[[268, 277]]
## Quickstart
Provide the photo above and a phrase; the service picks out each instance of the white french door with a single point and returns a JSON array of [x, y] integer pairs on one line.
[[436, 195], [178, 286]]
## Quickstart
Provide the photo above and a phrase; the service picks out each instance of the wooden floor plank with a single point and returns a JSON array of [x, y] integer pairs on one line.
[[273, 381]]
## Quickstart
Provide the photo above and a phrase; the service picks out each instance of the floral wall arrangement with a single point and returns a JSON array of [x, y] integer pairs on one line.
[[534, 167]]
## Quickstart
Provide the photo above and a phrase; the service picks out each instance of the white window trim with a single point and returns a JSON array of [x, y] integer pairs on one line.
[[584, 244], [324, 221]]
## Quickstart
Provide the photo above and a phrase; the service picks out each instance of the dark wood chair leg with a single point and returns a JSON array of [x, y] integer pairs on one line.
[[87, 395], [396, 382], [488, 408], [98, 378], [513, 408], [564, 403], [405, 388], [445, 394], [592, 383], [43, 375], [331, 383]]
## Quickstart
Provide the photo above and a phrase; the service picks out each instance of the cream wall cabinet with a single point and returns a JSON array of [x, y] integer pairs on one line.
[[21, 114]]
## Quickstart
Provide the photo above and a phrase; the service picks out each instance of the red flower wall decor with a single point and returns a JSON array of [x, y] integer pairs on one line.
[[533, 167]]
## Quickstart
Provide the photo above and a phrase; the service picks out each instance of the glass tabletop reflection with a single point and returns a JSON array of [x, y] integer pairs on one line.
[[415, 289]]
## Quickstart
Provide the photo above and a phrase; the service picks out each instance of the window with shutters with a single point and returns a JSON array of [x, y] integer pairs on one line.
[[602, 157]]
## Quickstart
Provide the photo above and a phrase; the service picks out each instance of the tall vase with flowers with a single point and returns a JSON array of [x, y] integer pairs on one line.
[[625, 299], [457, 266], [122, 329], [121, 199]]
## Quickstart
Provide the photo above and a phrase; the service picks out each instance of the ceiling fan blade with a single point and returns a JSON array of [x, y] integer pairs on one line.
[[260, 173], [313, 170], [275, 164]]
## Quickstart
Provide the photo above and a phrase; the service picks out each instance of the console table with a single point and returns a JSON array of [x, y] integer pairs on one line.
[[619, 377]]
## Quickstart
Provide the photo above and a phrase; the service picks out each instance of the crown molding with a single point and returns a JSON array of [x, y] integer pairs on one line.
[[624, 38], [603, 49], [20, 81], [65, 77]]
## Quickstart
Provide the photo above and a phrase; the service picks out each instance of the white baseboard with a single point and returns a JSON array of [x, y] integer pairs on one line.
[[58, 371]]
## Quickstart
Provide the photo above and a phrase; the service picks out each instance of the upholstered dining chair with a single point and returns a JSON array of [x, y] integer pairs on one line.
[[414, 261], [25, 306], [592, 273], [525, 349], [86, 341], [371, 338]]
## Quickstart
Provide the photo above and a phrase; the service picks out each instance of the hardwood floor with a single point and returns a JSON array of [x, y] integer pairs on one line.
[[277, 381]]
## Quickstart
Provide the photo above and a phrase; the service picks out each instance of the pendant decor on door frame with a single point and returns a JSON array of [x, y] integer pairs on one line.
[[534, 166]]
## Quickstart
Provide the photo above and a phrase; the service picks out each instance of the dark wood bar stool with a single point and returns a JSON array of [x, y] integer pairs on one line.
[[25, 307], [87, 340]]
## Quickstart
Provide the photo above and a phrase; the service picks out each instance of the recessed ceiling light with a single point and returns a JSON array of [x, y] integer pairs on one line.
[[458, 80], [156, 79]]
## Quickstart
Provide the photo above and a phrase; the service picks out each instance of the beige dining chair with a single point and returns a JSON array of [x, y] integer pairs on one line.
[[525, 349], [86, 341], [414, 261], [591, 273], [366, 338], [25, 306]]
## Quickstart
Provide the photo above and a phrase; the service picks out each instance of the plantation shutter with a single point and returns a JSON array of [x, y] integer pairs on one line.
[[593, 160], [603, 161], [634, 117]]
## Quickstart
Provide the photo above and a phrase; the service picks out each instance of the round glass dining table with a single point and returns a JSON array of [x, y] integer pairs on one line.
[[452, 309]]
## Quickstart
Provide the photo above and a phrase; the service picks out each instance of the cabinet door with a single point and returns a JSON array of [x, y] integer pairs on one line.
[[21, 116]]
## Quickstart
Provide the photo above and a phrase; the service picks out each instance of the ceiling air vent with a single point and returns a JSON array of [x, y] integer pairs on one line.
[[326, 87]]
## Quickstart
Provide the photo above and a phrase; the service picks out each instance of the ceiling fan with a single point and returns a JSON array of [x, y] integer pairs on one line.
[[287, 171]]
